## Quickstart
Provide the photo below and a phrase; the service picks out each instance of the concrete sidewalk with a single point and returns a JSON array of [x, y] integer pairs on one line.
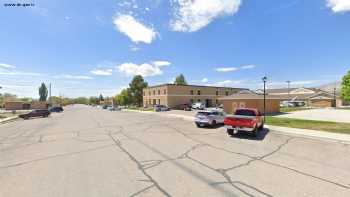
[[9, 119], [311, 133], [294, 131]]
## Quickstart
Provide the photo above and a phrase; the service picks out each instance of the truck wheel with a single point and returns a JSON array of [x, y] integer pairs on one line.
[[256, 131], [230, 132], [261, 127]]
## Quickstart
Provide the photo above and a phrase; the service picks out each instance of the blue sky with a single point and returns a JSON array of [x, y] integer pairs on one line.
[[89, 47]]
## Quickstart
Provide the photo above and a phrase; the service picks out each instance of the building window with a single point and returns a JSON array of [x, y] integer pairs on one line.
[[164, 91], [217, 92], [198, 100], [191, 92], [159, 101], [216, 101], [198, 92], [154, 92], [226, 93], [158, 92], [149, 93], [191, 101], [144, 93]]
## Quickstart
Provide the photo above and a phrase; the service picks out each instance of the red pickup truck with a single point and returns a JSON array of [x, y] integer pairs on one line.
[[244, 119]]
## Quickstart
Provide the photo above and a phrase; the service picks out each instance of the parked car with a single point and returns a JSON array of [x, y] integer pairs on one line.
[[114, 108], [209, 118], [244, 119], [159, 108], [198, 105], [56, 109], [36, 113], [186, 107], [104, 106]]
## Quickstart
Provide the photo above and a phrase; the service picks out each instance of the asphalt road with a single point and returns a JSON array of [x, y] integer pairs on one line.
[[91, 152]]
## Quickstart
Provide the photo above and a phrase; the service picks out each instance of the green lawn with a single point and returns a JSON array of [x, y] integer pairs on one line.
[[309, 124]]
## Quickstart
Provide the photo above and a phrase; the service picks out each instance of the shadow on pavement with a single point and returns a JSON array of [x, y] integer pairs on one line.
[[244, 135]]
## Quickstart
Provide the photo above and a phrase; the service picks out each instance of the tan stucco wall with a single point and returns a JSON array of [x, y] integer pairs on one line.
[[272, 106], [320, 103], [173, 96], [39, 105]]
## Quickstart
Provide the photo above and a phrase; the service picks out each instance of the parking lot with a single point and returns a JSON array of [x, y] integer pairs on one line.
[[86, 151]]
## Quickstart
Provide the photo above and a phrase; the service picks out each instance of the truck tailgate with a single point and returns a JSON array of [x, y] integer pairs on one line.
[[240, 121]]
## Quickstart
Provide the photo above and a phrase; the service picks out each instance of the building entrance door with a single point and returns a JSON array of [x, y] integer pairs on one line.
[[208, 103]]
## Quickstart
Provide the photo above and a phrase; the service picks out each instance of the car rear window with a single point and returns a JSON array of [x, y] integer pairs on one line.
[[204, 113], [245, 112]]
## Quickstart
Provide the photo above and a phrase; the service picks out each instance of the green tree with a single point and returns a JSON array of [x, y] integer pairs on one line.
[[136, 89], [180, 80], [345, 91], [93, 100], [43, 92], [124, 98], [101, 98]]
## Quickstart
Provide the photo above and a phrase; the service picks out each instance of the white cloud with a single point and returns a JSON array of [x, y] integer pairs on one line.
[[248, 66], [7, 66], [134, 48], [226, 69], [102, 72], [192, 15], [145, 70], [226, 83], [19, 73], [339, 5], [204, 80], [135, 30], [161, 63], [67, 76], [67, 18]]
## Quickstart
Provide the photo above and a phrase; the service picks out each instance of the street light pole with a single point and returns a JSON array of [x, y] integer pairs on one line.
[[335, 99], [264, 80]]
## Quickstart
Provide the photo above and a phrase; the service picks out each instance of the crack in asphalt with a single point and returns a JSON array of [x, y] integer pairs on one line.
[[139, 165]]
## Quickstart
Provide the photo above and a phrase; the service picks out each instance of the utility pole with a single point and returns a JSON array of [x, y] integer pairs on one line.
[[50, 94], [264, 80], [288, 82], [334, 94]]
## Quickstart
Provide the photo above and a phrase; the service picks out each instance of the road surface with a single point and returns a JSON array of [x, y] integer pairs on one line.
[[91, 152]]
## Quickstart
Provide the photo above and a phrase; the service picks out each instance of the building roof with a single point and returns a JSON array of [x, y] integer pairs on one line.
[[248, 95], [171, 84]]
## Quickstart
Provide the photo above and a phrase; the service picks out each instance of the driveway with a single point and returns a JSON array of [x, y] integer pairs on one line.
[[334, 115], [93, 152]]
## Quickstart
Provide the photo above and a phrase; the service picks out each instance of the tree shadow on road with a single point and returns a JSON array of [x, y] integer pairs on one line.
[[244, 135]]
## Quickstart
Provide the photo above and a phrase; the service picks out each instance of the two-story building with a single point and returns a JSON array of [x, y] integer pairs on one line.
[[173, 95]]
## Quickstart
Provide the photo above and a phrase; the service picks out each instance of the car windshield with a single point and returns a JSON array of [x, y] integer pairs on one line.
[[244, 112]]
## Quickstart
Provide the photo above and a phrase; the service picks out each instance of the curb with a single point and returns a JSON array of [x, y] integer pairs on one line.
[[9, 119]]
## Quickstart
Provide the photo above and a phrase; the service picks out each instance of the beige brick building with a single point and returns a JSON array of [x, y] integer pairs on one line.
[[173, 95]]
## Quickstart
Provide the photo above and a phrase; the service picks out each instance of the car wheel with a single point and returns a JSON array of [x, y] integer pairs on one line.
[[213, 123], [230, 132], [198, 125]]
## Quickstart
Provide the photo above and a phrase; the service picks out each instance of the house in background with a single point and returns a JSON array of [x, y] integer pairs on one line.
[[312, 97], [173, 95], [250, 99], [21, 105]]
